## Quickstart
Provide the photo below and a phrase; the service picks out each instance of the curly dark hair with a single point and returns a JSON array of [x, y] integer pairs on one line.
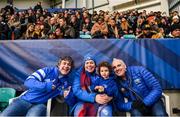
[[104, 64], [66, 58]]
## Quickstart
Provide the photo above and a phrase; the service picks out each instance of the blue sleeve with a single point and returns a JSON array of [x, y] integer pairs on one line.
[[38, 85], [154, 86], [79, 93], [95, 83], [35, 81]]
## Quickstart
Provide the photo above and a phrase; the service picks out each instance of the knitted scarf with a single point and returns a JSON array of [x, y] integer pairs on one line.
[[88, 109]]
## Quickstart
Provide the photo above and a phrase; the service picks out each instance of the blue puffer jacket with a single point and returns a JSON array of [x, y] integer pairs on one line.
[[140, 84], [81, 94], [39, 85]]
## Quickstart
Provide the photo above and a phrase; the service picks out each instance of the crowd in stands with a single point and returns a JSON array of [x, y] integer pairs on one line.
[[38, 23]]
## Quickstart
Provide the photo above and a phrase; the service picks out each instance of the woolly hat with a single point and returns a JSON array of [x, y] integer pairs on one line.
[[89, 57]]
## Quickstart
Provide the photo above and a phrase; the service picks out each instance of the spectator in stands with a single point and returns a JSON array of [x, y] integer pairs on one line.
[[24, 21], [99, 29], [37, 32], [51, 36], [159, 34], [165, 25], [15, 26], [86, 27], [58, 34], [124, 24], [125, 21], [84, 79], [141, 88], [175, 20], [30, 32], [42, 85], [44, 23], [140, 21], [85, 15], [31, 16], [38, 7], [75, 25], [95, 17], [146, 32], [3, 29], [9, 8], [52, 25], [113, 29], [67, 30], [175, 31]]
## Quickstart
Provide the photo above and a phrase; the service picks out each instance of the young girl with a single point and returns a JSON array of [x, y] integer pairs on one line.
[[106, 83]]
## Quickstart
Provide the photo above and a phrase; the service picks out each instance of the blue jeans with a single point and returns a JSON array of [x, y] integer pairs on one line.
[[20, 107], [103, 110], [157, 109]]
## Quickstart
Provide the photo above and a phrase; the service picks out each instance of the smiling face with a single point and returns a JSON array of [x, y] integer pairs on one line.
[[104, 72], [119, 67], [64, 67], [89, 66]]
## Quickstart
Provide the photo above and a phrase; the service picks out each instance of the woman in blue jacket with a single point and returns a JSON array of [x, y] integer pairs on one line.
[[88, 100], [141, 88], [42, 85]]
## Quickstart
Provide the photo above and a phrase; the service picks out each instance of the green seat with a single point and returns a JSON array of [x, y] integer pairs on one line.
[[5, 95], [85, 36], [129, 36]]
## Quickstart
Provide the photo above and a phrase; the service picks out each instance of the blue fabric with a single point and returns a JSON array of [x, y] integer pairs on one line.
[[40, 89], [21, 107], [89, 57], [19, 58], [140, 85], [144, 85], [110, 87], [119, 103], [79, 92]]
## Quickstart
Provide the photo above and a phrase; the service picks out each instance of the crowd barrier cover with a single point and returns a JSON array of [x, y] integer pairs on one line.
[[20, 58]]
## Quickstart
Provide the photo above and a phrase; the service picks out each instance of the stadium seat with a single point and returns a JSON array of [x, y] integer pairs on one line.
[[166, 101], [129, 36], [48, 111], [85, 36], [5, 95]]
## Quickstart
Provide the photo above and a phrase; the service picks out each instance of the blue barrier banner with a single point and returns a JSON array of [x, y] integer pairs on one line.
[[20, 58]]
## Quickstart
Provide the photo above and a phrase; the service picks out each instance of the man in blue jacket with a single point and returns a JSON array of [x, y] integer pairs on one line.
[[141, 88], [42, 85]]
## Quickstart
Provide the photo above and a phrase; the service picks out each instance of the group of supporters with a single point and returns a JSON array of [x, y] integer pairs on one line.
[[96, 89], [38, 23]]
